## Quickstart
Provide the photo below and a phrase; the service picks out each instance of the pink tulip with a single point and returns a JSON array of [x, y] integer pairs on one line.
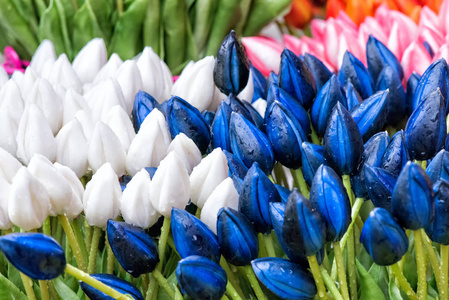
[[443, 52], [415, 58], [264, 53]]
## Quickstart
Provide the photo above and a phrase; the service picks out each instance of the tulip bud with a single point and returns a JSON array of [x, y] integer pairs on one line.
[[44, 53], [246, 110], [220, 127], [62, 73], [396, 155], [439, 167], [73, 102], [5, 186], [8, 130], [101, 197], [378, 56], [187, 151], [76, 205], [144, 103], [353, 69], [235, 165], [352, 96], [129, 79], [120, 285], [120, 123], [389, 79], [201, 278], [36, 255], [380, 185], [107, 71], [437, 230], [319, 71], [312, 156], [11, 100], [90, 60], [412, 83], [259, 83]]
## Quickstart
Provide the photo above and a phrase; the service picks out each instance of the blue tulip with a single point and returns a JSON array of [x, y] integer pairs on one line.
[[389, 79], [272, 78], [373, 151], [134, 249], [412, 203], [439, 167], [220, 127], [285, 134], [208, 117], [151, 171], [438, 229], [144, 103], [379, 185], [412, 83], [312, 157], [325, 101], [235, 165], [201, 278], [352, 97], [114, 282], [353, 69], [329, 196], [371, 115], [304, 229], [383, 238], [260, 84], [283, 192], [124, 180], [238, 183], [193, 237], [428, 48], [296, 78], [285, 279], [249, 144], [255, 197], [236, 236], [255, 116], [231, 70], [37, 255], [343, 144], [396, 155], [379, 56], [320, 72], [426, 131], [238, 106], [185, 118]]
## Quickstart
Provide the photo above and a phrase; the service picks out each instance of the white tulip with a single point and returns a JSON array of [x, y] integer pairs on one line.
[[90, 60], [150, 145], [187, 151], [207, 175], [29, 79], [76, 204], [170, 185], [62, 73], [9, 165], [73, 102], [101, 197], [11, 100], [8, 131], [109, 69], [247, 93], [135, 203], [5, 187], [224, 195], [130, 81], [119, 121], [260, 105], [218, 98], [29, 202], [18, 77], [3, 77], [44, 53]]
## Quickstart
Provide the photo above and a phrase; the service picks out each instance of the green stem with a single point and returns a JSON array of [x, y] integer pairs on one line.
[[421, 265], [434, 263], [46, 228], [330, 284], [314, 136], [300, 182], [262, 248], [163, 283], [198, 213], [111, 258], [44, 290], [231, 291], [79, 237], [444, 249], [178, 295], [80, 275], [280, 175], [72, 241], [403, 283], [315, 269], [88, 234], [120, 7], [231, 276], [94, 249], [68, 251], [28, 285], [54, 294], [145, 282], [338, 256], [254, 283], [269, 245]]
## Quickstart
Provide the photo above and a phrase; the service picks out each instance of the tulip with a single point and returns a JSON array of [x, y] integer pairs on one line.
[[135, 204], [120, 123], [114, 282], [273, 78], [73, 102], [61, 73], [255, 116], [208, 117], [343, 144], [378, 56], [105, 146], [255, 197], [312, 156], [9, 165], [297, 283], [415, 57], [249, 144], [354, 70], [438, 167], [129, 79], [389, 79], [201, 278], [76, 205], [185, 118], [320, 72], [260, 84], [5, 186], [12, 100], [186, 149], [437, 229], [263, 53], [36, 255], [193, 237], [220, 127], [383, 238], [352, 96], [379, 185], [170, 185], [90, 60], [396, 155], [239, 107], [8, 129], [412, 83], [45, 52], [235, 165], [107, 71], [144, 103], [425, 132], [101, 197], [134, 249]]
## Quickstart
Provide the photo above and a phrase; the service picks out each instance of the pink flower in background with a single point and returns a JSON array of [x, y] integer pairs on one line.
[[264, 53], [12, 61]]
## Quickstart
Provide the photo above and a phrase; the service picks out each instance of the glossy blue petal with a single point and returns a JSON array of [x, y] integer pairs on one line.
[[383, 238], [439, 167], [304, 229], [285, 134], [312, 157], [379, 185], [231, 70], [352, 96], [325, 101], [438, 229], [208, 117], [378, 56], [343, 144], [249, 144], [329, 196], [272, 78], [426, 131], [193, 237], [320, 72], [238, 183], [371, 115], [255, 116], [114, 282], [285, 279], [260, 84], [185, 118], [236, 236], [396, 155], [238, 106], [389, 79], [283, 192], [296, 78], [201, 278], [354, 70], [235, 165], [37, 255], [220, 127], [412, 203], [151, 171], [124, 180], [412, 83], [144, 103], [434, 77], [255, 197], [134, 249]]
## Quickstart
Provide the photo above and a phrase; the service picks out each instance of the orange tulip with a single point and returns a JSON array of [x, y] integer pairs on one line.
[[300, 13]]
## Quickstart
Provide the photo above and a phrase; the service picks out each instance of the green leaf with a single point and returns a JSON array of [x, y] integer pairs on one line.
[[263, 12], [9, 290], [152, 27], [171, 264], [380, 275], [369, 288], [393, 291], [205, 11], [410, 270], [50, 28], [63, 290], [14, 277]]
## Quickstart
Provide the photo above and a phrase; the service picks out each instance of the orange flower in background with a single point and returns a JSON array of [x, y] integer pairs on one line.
[[300, 13]]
